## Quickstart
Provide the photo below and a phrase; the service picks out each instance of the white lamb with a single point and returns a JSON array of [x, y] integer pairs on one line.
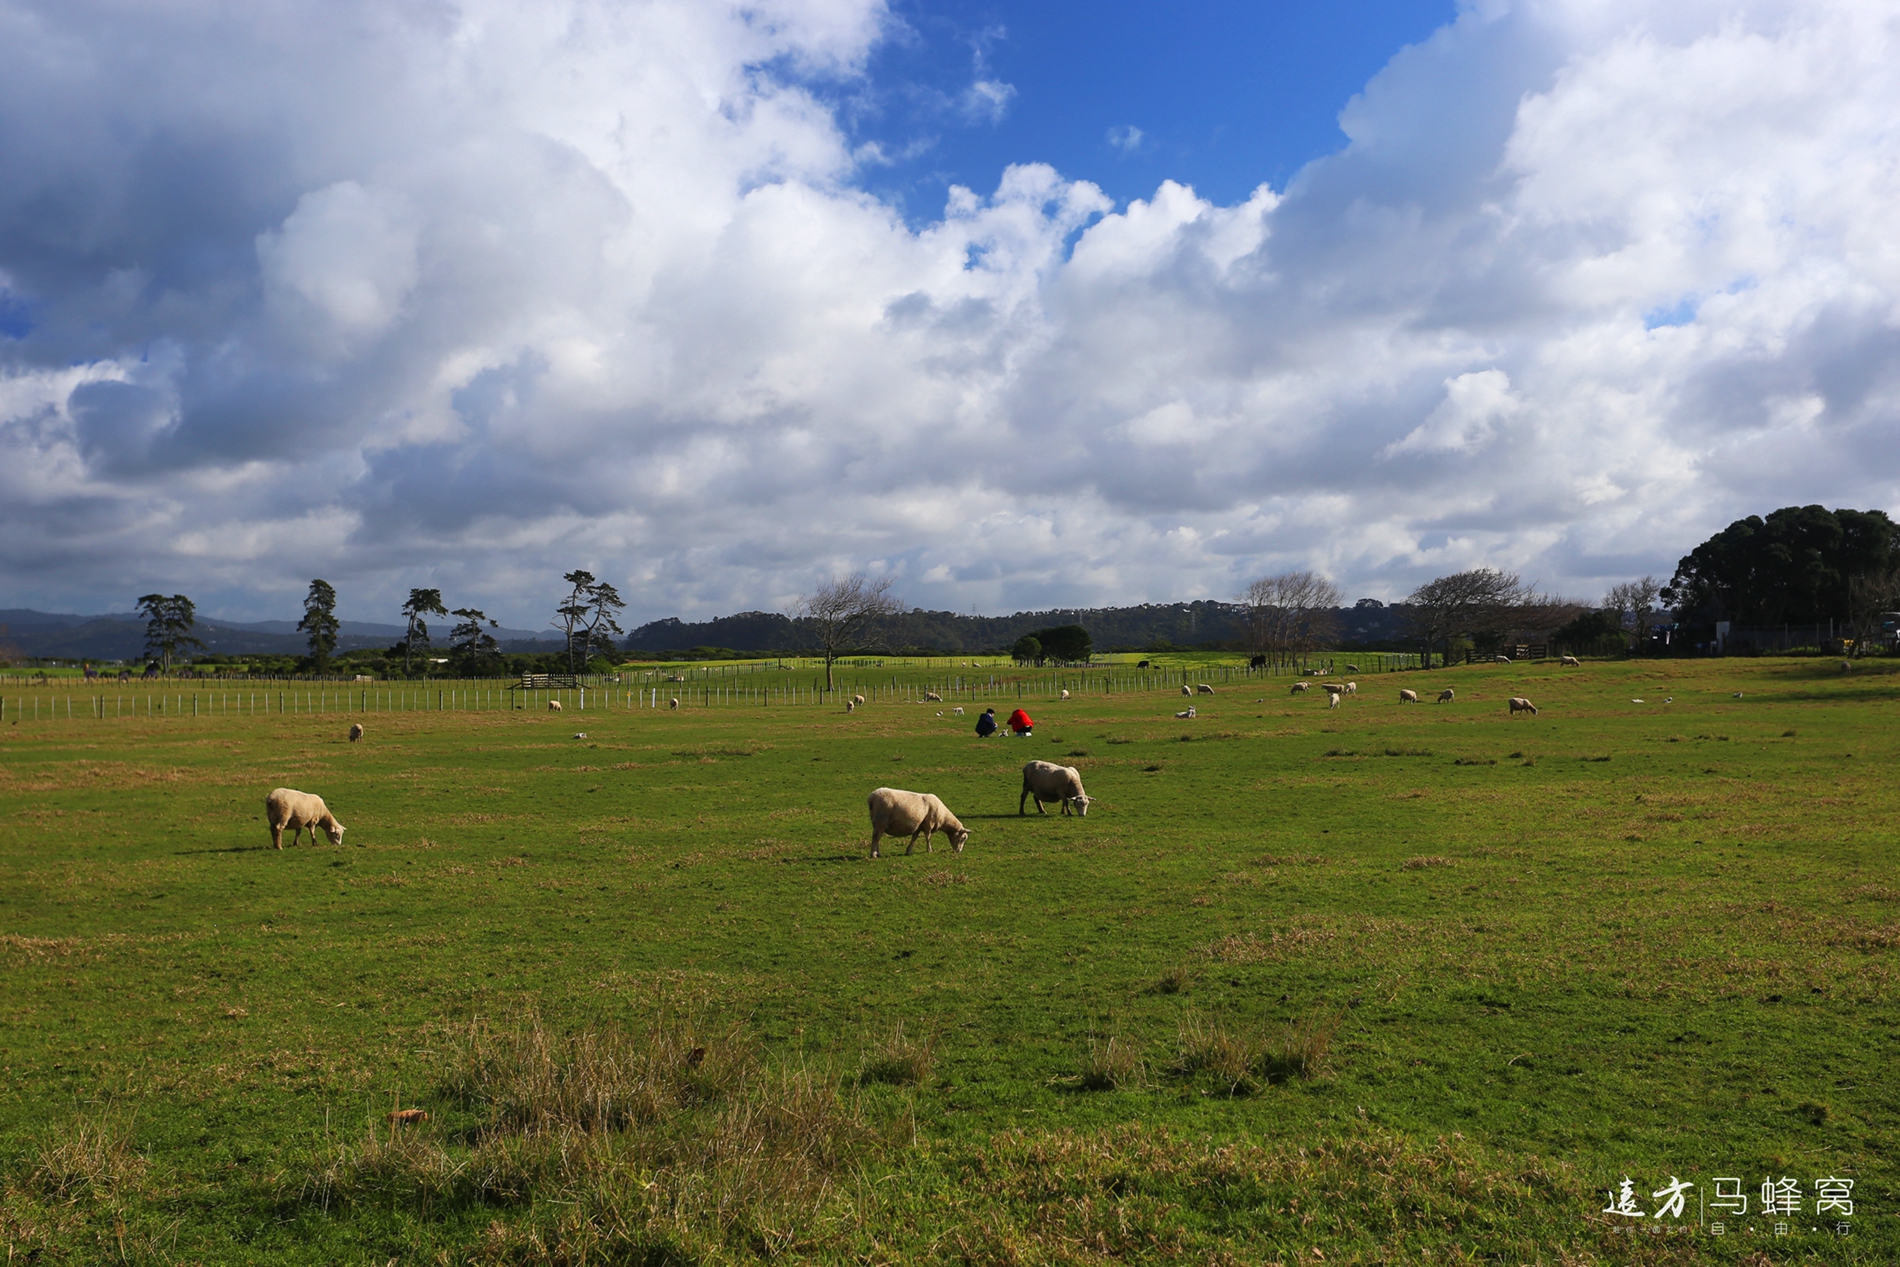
[[1065, 694], [1501, 659], [850, 706], [1047, 781], [1185, 689], [1572, 662], [554, 706], [1300, 686], [287, 807], [1352, 688], [674, 702], [1408, 697], [931, 697], [858, 700], [1332, 699], [1204, 688], [1521, 705], [895, 812], [356, 732], [958, 710]]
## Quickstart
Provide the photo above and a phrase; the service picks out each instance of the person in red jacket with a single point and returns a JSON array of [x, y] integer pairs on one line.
[[1019, 723]]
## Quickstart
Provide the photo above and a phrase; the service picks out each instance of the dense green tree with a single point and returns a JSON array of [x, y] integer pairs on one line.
[[1795, 566], [1066, 644], [320, 622], [1027, 650], [169, 621]]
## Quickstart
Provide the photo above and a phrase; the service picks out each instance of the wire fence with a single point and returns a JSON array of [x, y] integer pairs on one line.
[[746, 687]]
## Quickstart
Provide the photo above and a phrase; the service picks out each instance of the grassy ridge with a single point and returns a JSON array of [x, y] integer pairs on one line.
[[1545, 952]]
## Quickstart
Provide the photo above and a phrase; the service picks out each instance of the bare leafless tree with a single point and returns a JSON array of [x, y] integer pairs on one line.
[[1870, 596], [1291, 612], [841, 613], [1466, 603], [1634, 603]]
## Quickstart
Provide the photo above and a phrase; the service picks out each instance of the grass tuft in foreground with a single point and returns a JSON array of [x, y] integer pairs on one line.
[[660, 1143]]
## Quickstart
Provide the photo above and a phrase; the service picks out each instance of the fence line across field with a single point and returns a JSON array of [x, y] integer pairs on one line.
[[48, 701]]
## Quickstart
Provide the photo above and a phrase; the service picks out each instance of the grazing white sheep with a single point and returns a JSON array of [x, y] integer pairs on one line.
[[1352, 688], [1332, 699], [1444, 696], [674, 702], [1521, 705], [850, 706], [958, 710], [1185, 690], [1047, 781], [580, 734], [895, 812], [1203, 688], [1500, 659], [1408, 697], [1300, 686], [1352, 668], [931, 697], [1572, 662], [1333, 688], [287, 807], [1847, 666], [858, 700], [1065, 694], [554, 706], [356, 732]]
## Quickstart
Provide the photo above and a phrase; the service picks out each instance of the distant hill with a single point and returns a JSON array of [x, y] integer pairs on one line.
[[121, 636], [1112, 628]]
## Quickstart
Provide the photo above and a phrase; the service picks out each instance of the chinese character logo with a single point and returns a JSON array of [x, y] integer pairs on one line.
[[1624, 1202]]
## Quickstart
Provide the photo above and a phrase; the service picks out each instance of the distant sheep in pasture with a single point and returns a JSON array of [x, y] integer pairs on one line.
[[1571, 662], [1408, 697], [858, 700], [1204, 688], [674, 702], [554, 706], [356, 732], [1501, 659], [1065, 693], [931, 697], [1444, 696], [1299, 687], [1185, 689], [1521, 705]]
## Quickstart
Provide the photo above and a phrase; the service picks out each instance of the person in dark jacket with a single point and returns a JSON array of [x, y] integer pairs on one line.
[[986, 724], [1019, 723]]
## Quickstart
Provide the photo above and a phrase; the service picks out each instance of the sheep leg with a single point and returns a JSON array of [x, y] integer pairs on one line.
[[877, 834], [277, 835]]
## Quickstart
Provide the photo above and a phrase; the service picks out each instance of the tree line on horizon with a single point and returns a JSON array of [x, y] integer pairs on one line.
[[1800, 565]]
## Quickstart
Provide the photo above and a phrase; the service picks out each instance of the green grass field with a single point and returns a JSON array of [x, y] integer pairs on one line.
[[1392, 983]]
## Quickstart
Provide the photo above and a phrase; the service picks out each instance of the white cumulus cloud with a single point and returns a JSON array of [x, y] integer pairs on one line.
[[474, 293]]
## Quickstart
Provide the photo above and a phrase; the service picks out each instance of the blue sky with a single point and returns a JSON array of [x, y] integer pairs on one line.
[[1212, 93]]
